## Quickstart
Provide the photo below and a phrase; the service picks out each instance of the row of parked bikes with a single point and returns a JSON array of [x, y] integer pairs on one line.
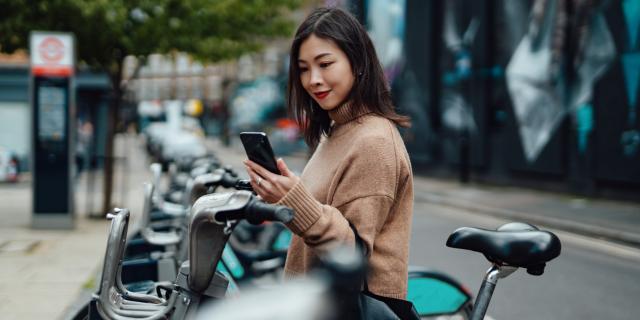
[[206, 247]]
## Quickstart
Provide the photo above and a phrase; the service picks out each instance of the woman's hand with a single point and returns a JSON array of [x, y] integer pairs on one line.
[[269, 186]]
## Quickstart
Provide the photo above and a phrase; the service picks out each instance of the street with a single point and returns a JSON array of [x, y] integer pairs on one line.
[[590, 280]]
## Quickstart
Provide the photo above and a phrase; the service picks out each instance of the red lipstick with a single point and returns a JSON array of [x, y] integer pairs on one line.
[[321, 95]]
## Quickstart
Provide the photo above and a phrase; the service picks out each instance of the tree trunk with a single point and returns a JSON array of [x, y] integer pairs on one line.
[[113, 116]]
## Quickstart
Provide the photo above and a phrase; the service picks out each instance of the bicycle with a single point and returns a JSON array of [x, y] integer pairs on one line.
[[214, 218], [510, 247]]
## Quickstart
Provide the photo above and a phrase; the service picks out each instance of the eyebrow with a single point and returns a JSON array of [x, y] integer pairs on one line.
[[322, 55]]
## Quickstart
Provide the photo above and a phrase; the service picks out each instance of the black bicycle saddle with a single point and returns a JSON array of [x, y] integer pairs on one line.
[[515, 244]]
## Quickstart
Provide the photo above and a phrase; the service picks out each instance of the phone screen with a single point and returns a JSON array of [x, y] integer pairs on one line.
[[258, 149]]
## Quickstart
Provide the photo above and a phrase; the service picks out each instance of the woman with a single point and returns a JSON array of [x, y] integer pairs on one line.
[[360, 172]]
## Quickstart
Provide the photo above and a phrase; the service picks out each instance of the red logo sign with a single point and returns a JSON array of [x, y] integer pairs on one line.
[[52, 54], [51, 50]]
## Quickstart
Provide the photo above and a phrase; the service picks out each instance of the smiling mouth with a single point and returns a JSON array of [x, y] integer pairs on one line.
[[321, 95]]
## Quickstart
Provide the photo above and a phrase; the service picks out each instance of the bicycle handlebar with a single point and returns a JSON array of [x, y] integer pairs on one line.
[[256, 212], [229, 180], [243, 185]]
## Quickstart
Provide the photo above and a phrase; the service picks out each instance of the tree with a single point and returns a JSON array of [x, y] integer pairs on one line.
[[107, 31]]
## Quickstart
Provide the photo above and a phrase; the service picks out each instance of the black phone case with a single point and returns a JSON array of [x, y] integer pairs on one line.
[[258, 149]]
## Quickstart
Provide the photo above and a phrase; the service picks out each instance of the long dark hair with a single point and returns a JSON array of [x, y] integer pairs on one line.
[[370, 91]]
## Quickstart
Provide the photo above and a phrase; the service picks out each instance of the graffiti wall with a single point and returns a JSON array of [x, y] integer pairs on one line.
[[544, 88], [615, 134]]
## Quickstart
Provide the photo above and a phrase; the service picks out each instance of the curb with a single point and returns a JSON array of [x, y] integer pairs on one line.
[[609, 234]]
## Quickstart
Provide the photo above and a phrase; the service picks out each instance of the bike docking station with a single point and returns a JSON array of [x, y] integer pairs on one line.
[[52, 120]]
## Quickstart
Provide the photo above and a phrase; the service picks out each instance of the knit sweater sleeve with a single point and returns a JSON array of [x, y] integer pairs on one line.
[[363, 196]]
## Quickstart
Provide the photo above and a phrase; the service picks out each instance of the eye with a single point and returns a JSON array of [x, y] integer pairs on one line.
[[303, 69], [325, 65]]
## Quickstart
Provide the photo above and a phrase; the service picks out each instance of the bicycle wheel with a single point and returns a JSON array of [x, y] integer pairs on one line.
[[437, 296]]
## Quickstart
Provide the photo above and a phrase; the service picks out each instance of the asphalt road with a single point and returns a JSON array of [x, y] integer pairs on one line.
[[591, 279]]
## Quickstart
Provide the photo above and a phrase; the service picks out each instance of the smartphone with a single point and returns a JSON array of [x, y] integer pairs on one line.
[[258, 149]]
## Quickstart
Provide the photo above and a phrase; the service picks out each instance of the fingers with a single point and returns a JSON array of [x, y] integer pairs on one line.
[[264, 173], [261, 185], [271, 187], [254, 179], [284, 170]]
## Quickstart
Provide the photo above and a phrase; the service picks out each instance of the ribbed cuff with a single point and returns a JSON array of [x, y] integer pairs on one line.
[[307, 208]]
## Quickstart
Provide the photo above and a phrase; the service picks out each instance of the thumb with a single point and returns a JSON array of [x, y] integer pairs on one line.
[[284, 170]]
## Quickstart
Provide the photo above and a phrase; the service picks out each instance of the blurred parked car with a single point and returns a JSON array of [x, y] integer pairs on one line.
[[8, 165], [166, 143], [182, 144], [148, 112]]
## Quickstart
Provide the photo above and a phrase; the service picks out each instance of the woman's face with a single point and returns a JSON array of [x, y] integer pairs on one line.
[[325, 72]]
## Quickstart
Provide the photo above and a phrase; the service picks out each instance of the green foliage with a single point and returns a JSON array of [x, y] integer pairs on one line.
[[108, 30]]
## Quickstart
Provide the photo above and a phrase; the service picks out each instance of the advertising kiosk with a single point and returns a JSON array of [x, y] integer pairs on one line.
[[52, 135]]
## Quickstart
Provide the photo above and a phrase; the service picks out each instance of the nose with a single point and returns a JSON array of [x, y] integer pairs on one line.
[[316, 78]]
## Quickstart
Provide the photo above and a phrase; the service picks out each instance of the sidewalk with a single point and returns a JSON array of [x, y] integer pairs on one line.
[[43, 272], [610, 220]]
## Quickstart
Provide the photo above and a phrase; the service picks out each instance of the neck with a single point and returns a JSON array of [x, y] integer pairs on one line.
[[345, 113]]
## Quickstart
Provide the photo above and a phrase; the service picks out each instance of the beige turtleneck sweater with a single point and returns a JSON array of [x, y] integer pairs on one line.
[[361, 174]]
